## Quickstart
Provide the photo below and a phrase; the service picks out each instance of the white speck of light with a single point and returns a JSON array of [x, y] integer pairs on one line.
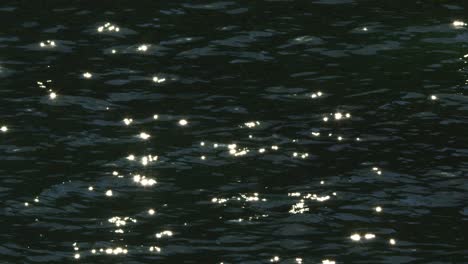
[[157, 80], [52, 95], [325, 119], [232, 146], [4, 129], [275, 259], [127, 121], [151, 211], [261, 150], [203, 157], [36, 200], [299, 260], [338, 116], [131, 157], [87, 75], [154, 248], [90, 188], [392, 241], [252, 124], [355, 237], [378, 209], [77, 256], [327, 261], [358, 139], [26, 204], [109, 193], [364, 29], [313, 95], [316, 134], [433, 97], [340, 138], [155, 117], [143, 48], [115, 173], [274, 147], [348, 115], [144, 135], [369, 236], [164, 233], [93, 251], [458, 23], [183, 122], [113, 51]]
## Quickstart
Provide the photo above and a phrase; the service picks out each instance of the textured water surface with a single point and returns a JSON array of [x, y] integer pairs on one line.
[[328, 131]]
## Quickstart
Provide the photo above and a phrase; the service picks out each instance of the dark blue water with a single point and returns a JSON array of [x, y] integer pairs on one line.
[[328, 131]]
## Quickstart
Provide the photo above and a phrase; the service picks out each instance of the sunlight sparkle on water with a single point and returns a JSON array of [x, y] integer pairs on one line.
[[252, 124], [458, 23], [275, 259], [433, 97], [158, 80], [77, 256], [127, 121], [392, 241], [315, 95], [4, 128], [142, 48], [157, 249], [47, 44], [87, 75], [167, 233], [183, 122], [144, 135], [109, 193], [369, 236], [143, 181], [52, 95], [378, 209], [355, 237], [327, 261], [108, 27], [151, 211]]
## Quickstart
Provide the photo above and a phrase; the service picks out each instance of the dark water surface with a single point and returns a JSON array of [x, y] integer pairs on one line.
[[349, 120]]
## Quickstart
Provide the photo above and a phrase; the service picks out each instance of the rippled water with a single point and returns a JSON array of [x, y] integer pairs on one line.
[[328, 131]]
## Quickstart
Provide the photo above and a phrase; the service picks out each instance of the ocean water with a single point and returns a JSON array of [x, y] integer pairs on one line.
[[320, 131]]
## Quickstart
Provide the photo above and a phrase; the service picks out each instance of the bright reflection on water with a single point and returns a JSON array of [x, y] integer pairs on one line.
[[325, 131]]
